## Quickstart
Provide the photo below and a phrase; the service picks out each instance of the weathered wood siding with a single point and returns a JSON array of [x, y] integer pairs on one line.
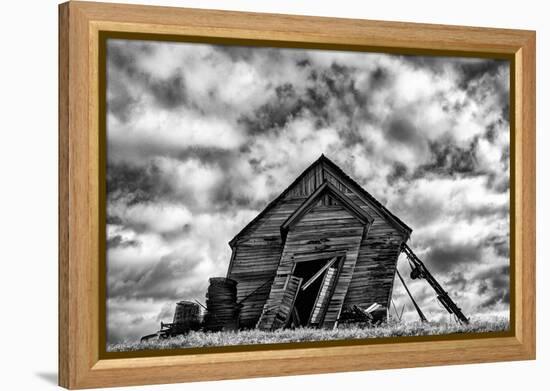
[[374, 272], [311, 180], [259, 248], [256, 258], [285, 307], [322, 230]]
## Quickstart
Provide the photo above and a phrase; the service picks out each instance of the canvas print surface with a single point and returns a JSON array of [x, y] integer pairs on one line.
[[262, 195]]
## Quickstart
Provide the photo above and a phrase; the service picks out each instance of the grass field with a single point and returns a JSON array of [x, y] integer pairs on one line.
[[253, 337]]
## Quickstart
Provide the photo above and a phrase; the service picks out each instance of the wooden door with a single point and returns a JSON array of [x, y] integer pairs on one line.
[[283, 313], [323, 298]]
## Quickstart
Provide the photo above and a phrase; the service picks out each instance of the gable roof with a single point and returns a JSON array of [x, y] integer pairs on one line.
[[325, 188], [324, 160], [381, 208]]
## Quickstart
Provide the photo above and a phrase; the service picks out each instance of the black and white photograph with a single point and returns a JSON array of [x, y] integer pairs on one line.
[[266, 195]]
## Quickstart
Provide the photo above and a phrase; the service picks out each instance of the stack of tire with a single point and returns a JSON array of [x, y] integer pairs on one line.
[[222, 310]]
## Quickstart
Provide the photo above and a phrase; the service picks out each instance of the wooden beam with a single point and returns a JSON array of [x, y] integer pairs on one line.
[[373, 307], [319, 273], [420, 314]]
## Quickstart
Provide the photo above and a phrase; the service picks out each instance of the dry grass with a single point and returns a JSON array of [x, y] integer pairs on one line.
[[253, 337]]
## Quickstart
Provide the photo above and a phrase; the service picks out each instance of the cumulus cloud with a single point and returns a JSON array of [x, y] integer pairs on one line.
[[201, 137]]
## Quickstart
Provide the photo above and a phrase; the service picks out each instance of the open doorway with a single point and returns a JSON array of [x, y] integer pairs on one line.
[[318, 277]]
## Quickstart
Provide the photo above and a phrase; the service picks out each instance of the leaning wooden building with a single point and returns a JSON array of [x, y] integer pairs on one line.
[[326, 231], [322, 245]]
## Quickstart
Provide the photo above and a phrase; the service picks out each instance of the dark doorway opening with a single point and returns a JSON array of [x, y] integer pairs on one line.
[[306, 298]]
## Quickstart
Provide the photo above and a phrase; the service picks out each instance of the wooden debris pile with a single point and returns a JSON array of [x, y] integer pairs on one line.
[[368, 316]]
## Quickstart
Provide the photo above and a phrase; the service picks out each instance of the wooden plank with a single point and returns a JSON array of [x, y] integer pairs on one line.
[[322, 299], [287, 302], [64, 307], [319, 273], [279, 306]]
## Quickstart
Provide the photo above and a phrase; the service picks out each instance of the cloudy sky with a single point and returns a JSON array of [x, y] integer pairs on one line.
[[201, 137]]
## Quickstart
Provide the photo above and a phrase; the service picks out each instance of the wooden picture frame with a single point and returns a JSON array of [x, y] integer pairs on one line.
[[81, 364]]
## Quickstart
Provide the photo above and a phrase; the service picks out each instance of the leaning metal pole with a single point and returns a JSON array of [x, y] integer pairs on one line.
[[420, 313], [420, 271]]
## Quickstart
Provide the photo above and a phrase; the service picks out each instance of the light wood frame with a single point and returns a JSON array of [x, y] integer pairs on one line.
[[80, 364]]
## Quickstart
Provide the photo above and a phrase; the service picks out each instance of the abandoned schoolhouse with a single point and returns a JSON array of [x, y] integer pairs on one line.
[[322, 245]]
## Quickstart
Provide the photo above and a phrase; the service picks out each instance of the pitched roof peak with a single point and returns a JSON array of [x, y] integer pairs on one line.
[[330, 166]]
